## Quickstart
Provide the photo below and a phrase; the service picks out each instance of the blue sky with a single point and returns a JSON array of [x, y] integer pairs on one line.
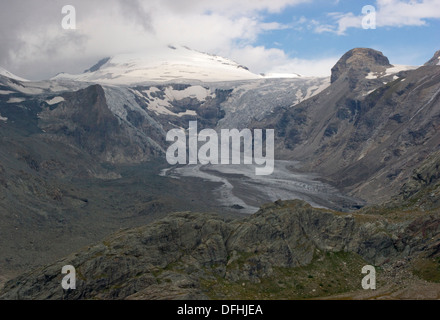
[[406, 44], [300, 36]]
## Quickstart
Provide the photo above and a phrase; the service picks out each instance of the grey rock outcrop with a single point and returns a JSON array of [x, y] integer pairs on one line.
[[171, 258], [359, 62]]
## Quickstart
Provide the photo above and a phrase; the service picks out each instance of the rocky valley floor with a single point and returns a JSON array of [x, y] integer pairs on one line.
[[42, 219]]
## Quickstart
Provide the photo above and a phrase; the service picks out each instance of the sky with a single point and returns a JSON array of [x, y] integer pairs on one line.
[[278, 36]]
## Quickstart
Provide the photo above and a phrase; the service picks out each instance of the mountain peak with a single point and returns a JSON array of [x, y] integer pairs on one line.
[[363, 60], [168, 63], [435, 60], [6, 73]]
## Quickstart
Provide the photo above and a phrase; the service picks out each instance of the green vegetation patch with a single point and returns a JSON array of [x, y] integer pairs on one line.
[[328, 274], [427, 269]]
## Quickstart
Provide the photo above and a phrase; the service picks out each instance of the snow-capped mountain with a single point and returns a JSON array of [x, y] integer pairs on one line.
[[6, 73], [172, 63], [91, 152]]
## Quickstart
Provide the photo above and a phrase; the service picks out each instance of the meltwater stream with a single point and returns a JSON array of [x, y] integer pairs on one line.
[[243, 190]]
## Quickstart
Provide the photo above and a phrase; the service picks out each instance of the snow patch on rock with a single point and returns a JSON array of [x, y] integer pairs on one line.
[[16, 100], [55, 100]]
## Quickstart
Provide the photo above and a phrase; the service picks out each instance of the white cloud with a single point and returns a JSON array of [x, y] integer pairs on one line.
[[226, 7], [389, 13], [263, 60], [227, 27], [407, 13]]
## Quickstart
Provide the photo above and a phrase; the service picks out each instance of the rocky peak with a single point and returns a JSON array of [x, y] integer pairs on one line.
[[360, 61], [435, 60]]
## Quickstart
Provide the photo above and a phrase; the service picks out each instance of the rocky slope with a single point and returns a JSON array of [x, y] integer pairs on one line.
[[81, 160], [310, 253], [287, 250], [422, 189], [369, 130], [77, 161], [84, 119]]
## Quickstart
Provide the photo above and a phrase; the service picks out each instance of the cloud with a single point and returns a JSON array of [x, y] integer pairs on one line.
[[389, 13], [35, 46], [136, 13], [407, 13], [272, 60], [231, 8]]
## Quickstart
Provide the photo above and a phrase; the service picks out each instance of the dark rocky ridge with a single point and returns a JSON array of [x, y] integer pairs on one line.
[[435, 60], [84, 120], [176, 257]]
